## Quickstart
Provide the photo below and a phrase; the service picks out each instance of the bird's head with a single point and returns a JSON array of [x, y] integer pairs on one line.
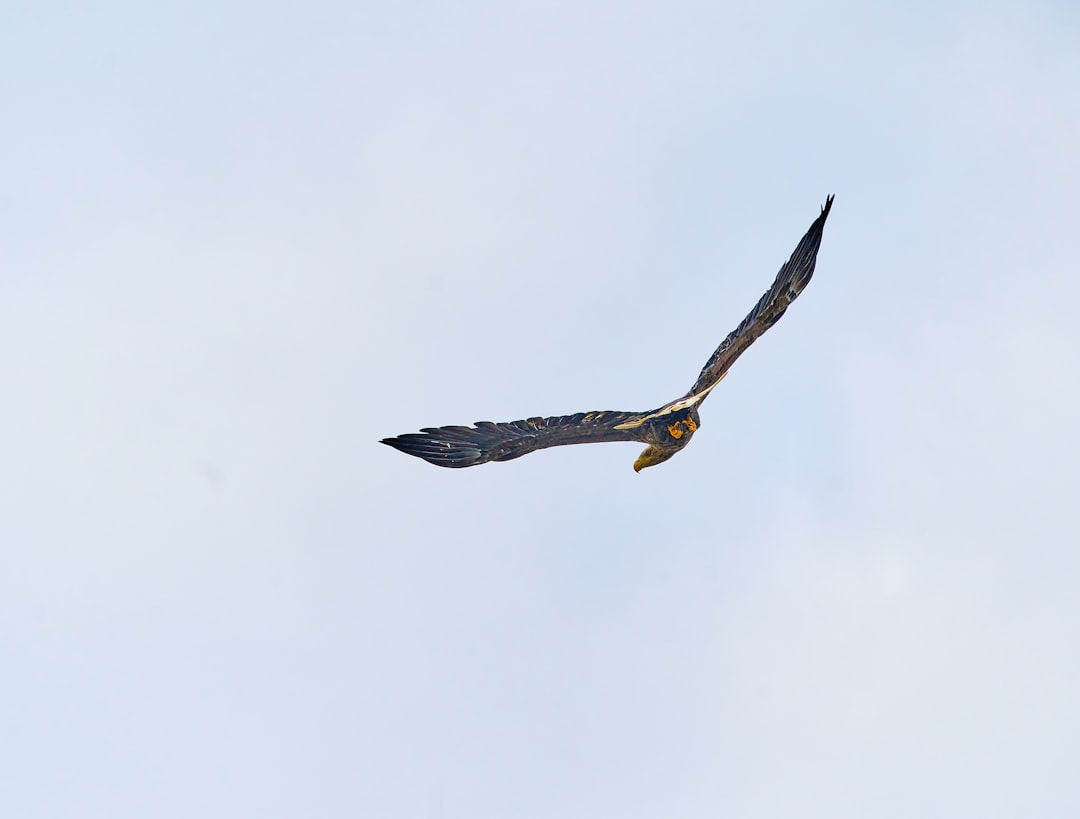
[[653, 455]]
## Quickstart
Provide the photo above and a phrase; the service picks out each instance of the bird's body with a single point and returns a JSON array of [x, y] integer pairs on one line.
[[664, 430]]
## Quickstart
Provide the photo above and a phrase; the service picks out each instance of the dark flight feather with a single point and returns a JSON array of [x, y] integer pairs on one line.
[[457, 446], [794, 275]]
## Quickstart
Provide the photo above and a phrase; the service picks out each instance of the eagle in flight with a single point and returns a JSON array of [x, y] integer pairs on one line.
[[664, 430]]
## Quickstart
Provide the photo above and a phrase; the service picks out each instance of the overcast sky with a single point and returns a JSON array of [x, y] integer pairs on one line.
[[241, 242]]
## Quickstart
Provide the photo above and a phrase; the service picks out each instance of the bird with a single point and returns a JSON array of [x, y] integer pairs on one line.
[[664, 430]]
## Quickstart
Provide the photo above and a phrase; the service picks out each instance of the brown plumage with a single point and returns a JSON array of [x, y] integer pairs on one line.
[[665, 430]]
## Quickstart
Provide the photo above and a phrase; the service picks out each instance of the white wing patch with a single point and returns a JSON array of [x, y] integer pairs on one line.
[[667, 409]]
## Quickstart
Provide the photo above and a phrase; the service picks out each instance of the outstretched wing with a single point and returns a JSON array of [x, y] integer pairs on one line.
[[789, 283], [794, 275], [487, 441]]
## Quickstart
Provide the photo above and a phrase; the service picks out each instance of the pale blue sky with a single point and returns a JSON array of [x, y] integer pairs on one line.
[[241, 242]]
